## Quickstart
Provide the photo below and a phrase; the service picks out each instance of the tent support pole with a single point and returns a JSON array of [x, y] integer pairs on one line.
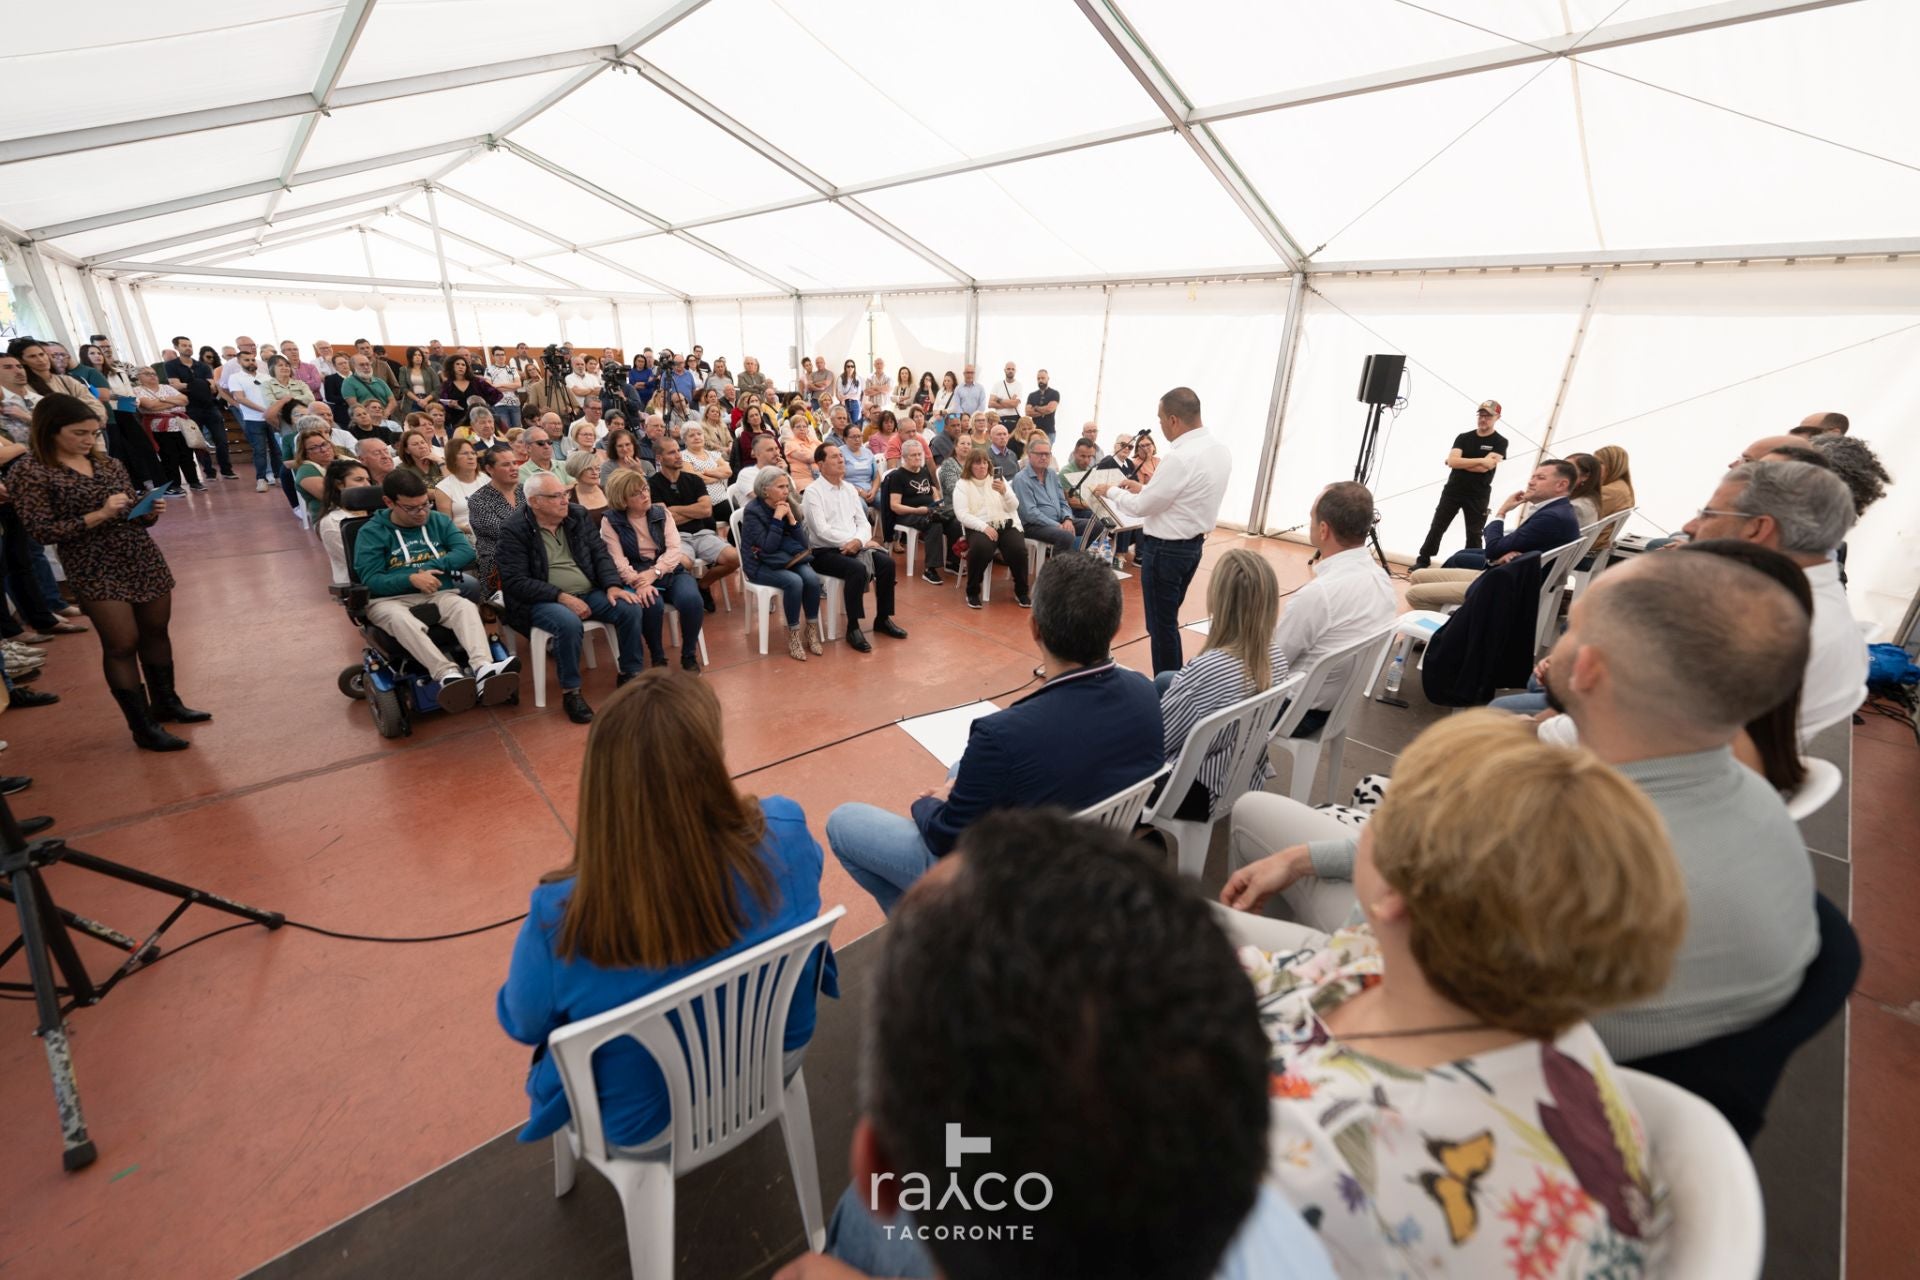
[[140, 305], [1100, 370], [973, 325], [799, 333], [688, 304], [1573, 359], [45, 299], [440, 256], [1277, 406], [99, 310], [366, 253], [131, 319]]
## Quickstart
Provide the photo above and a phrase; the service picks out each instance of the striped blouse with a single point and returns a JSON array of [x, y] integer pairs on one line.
[[1205, 685]]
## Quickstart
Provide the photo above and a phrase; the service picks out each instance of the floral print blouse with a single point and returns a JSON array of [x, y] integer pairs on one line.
[[1528, 1162]]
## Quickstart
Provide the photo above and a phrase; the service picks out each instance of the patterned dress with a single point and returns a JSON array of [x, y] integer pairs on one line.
[[112, 561], [1527, 1162]]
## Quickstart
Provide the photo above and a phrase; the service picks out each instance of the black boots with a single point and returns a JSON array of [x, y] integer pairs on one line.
[[147, 735], [165, 702]]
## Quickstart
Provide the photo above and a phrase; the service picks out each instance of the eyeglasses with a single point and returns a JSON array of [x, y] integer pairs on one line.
[[413, 508], [1704, 512]]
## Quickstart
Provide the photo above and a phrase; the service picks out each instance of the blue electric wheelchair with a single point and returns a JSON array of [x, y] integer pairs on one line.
[[388, 678]]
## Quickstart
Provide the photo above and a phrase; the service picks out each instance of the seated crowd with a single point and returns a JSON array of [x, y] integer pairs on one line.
[[1426, 971]]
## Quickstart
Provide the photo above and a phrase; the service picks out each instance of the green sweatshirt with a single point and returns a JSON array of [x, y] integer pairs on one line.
[[385, 555]]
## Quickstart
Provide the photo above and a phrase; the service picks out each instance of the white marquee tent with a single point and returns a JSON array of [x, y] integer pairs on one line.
[[1653, 223]]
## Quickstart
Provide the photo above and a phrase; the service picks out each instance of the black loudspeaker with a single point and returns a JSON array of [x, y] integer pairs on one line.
[[1380, 379]]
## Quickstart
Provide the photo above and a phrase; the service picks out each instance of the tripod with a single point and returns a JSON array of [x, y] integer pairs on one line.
[[1363, 474], [45, 937]]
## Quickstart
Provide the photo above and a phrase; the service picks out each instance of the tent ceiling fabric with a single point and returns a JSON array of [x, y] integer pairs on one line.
[[1372, 131]]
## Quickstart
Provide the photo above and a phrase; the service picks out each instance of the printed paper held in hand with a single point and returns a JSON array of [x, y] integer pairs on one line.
[[944, 733]]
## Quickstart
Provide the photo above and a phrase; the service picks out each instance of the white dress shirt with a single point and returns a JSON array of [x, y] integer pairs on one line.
[[1836, 679], [835, 514], [1183, 499], [1349, 599]]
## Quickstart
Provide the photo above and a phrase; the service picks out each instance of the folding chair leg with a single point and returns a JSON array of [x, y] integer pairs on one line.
[[796, 1124], [1334, 754], [1306, 759], [646, 1200], [563, 1167], [537, 643], [765, 611]]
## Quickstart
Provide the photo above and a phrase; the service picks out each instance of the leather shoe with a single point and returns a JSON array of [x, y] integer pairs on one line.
[[888, 627], [9, 785], [34, 826], [576, 706], [1421, 563], [857, 640], [689, 662], [32, 698]]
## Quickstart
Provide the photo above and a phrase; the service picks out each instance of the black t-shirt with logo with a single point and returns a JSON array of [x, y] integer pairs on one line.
[[684, 492], [1473, 446], [913, 488]]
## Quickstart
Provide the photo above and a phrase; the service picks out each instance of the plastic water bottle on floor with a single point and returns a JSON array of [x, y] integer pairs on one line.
[[1395, 671]]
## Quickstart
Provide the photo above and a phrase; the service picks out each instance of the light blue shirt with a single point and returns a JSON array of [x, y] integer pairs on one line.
[[1041, 501], [968, 398], [860, 465]]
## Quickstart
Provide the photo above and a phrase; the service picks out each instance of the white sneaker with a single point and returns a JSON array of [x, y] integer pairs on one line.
[[457, 692], [259, 486], [499, 681]]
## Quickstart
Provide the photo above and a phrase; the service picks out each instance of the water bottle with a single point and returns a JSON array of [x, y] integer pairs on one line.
[[1395, 671]]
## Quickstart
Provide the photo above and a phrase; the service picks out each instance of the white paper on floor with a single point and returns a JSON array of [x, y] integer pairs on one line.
[[1199, 628], [944, 733]]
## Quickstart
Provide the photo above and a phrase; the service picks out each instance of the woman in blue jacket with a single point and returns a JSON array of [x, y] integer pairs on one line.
[[774, 554], [672, 870]]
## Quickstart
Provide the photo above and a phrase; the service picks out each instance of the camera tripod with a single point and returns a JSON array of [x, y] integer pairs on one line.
[[46, 937], [1363, 474]]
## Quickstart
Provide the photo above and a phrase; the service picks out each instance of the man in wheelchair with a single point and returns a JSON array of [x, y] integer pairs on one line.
[[409, 557]]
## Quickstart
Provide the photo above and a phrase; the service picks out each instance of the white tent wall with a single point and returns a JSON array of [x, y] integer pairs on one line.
[[923, 331], [1467, 338], [1058, 330], [766, 333], [830, 324], [1220, 339], [716, 327]]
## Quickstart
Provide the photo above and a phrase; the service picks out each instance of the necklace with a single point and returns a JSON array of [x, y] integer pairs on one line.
[[1412, 1031]]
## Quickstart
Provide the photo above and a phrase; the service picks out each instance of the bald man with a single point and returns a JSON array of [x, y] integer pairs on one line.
[[1765, 445], [1829, 423]]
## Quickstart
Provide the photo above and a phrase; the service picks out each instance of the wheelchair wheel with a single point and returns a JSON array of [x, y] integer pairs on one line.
[[389, 713], [353, 682]]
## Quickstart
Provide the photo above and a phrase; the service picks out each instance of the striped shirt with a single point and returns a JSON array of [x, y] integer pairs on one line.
[[1209, 683]]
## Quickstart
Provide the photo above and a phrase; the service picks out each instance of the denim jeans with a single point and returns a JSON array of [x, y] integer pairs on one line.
[[799, 589], [679, 592], [266, 449], [506, 416], [882, 851], [1166, 570], [860, 1240], [567, 631], [1530, 703], [1467, 558], [43, 576]]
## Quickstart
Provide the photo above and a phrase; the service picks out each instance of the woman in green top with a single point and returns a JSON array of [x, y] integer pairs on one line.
[[313, 453], [282, 387]]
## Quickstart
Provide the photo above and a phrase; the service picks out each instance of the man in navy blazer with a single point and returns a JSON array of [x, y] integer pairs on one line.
[[1092, 729], [1552, 524]]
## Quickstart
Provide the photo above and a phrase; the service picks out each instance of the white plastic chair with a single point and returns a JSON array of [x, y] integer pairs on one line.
[[1609, 529], [1719, 1229], [1242, 728], [1355, 667], [723, 1086], [1037, 553], [1820, 785], [1415, 626], [1555, 565], [673, 622], [539, 640], [1121, 810]]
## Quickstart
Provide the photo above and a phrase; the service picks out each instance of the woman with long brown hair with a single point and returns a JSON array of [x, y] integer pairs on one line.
[[672, 870], [73, 496]]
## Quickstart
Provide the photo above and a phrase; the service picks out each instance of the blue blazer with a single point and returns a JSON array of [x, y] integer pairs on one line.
[[1073, 742], [544, 992], [1553, 525]]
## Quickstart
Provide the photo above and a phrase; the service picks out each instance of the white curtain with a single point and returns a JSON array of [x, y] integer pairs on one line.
[[716, 327], [923, 331], [766, 333], [1053, 329], [1220, 340], [834, 327]]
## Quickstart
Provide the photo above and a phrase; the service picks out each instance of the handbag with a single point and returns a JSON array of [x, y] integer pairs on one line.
[[190, 432]]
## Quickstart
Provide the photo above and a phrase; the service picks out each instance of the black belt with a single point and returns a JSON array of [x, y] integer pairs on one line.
[[1195, 540]]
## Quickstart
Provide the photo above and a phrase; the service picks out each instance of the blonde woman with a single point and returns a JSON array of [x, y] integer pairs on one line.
[[700, 456], [984, 504], [1616, 486], [582, 469], [1240, 659], [799, 448], [1445, 1043], [903, 386], [461, 479]]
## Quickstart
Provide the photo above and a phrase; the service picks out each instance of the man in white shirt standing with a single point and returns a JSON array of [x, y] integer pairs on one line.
[[247, 391], [581, 383], [1177, 512], [1349, 598], [1007, 398], [1804, 513], [837, 524]]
